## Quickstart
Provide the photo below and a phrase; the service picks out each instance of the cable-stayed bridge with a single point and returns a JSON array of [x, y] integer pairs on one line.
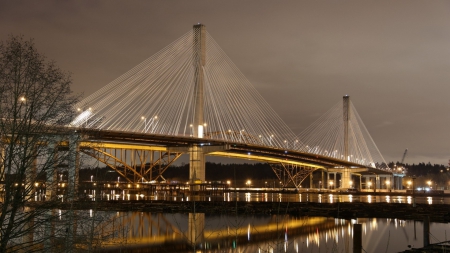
[[190, 98]]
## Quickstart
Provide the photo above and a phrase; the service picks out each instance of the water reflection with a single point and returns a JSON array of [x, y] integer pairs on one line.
[[156, 232], [255, 196]]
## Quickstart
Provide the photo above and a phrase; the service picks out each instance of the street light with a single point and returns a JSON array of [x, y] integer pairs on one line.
[[369, 184], [92, 177], [351, 184], [409, 183], [429, 184], [248, 183], [331, 184], [388, 184]]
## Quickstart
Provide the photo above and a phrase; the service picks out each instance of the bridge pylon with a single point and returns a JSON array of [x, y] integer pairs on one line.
[[196, 154], [346, 173]]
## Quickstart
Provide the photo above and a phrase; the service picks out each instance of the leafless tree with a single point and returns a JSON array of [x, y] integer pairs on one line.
[[36, 105]]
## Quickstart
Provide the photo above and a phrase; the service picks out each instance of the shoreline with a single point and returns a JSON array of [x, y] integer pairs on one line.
[[343, 210]]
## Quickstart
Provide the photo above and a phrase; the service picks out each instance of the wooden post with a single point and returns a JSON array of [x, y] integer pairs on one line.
[[357, 238], [426, 231]]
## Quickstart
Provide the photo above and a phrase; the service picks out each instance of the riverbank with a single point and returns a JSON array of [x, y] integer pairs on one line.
[[343, 210]]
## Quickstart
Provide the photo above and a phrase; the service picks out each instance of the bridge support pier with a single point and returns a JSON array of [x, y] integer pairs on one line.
[[346, 178], [74, 168], [197, 159]]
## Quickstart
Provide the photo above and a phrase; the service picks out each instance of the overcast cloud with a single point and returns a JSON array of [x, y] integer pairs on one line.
[[391, 57]]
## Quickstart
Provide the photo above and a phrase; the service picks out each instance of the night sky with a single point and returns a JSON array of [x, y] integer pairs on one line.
[[391, 57]]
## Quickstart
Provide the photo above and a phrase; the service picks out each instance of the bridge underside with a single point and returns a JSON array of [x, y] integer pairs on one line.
[[146, 156]]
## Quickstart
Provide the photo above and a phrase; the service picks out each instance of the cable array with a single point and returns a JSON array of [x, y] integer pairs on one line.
[[157, 96], [326, 137]]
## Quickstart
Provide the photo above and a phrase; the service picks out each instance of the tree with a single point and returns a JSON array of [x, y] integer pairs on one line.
[[36, 105]]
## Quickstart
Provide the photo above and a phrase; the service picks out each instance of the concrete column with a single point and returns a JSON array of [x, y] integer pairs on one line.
[[74, 168], [346, 178], [31, 173], [52, 177], [196, 154], [346, 115], [321, 186], [196, 164], [199, 63], [377, 184]]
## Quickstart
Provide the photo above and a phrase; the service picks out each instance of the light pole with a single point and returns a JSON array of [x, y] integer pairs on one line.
[[388, 184], [369, 184], [409, 184], [92, 177], [248, 183], [429, 184], [331, 185]]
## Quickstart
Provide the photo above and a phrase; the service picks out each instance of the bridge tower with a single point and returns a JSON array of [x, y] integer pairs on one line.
[[346, 175], [196, 153]]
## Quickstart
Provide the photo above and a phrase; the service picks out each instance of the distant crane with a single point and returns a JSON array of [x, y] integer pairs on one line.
[[403, 158]]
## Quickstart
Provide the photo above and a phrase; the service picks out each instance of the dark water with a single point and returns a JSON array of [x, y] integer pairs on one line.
[[150, 232], [300, 197]]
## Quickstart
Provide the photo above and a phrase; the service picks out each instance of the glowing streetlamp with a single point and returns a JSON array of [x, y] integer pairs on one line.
[[388, 183], [369, 184], [248, 183], [92, 177], [409, 183], [429, 183], [351, 184], [331, 184]]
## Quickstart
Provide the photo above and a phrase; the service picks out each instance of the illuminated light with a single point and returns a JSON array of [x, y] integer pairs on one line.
[[200, 131], [22, 99], [36, 184]]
